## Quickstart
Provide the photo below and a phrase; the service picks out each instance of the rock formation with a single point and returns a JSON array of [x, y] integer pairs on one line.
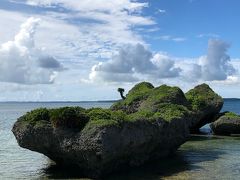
[[227, 124], [205, 104], [149, 123]]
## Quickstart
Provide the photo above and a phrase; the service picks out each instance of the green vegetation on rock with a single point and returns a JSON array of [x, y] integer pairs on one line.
[[143, 102], [149, 123], [200, 96], [105, 116], [232, 115], [165, 112], [138, 93], [69, 117], [37, 115], [169, 111], [163, 94], [141, 115], [74, 117], [144, 97]]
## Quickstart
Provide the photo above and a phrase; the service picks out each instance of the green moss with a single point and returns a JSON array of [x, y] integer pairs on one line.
[[143, 102], [99, 113], [140, 115], [37, 115], [232, 115], [200, 96], [104, 117], [69, 117], [73, 117], [138, 92], [144, 96], [169, 112], [163, 94], [119, 116]]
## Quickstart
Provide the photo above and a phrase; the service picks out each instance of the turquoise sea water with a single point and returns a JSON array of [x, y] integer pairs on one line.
[[202, 157]]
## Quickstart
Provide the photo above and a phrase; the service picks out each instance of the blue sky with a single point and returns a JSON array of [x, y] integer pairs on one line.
[[83, 50], [190, 19]]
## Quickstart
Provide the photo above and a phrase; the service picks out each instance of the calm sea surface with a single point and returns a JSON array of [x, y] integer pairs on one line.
[[202, 157]]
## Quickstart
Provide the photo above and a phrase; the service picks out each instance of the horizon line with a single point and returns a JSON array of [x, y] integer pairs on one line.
[[87, 101]]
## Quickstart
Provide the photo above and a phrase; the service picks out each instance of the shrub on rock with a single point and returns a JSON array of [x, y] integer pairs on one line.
[[34, 116], [69, 117]]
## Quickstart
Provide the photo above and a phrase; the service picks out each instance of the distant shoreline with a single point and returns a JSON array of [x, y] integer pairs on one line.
[[98, 101]]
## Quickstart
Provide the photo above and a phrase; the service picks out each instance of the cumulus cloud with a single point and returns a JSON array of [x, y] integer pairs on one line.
[[130, 58], [21, 62], [191, 71], [131, 62], [216, 66], [135, 63], [165, 66]]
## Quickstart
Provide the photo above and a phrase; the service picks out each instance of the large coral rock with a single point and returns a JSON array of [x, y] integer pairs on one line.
[[227, 124], [205, 104], [101, 150], [150, 123]]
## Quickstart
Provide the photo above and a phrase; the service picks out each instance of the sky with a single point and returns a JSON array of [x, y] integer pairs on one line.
[[69, 50]]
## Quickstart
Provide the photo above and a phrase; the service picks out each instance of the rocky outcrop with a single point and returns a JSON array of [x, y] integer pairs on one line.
[[227, 124], [101, 150], [149, 123], [205, 105], [144, 96]]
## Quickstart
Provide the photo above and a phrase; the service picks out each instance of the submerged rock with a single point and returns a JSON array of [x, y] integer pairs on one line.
[[227, 124], [148, 124], [205, 104]]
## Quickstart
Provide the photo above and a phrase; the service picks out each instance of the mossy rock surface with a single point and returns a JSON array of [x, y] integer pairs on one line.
[[227, 124], [143, 102], [73, 117], [144, 96], [202, 96], [150, 123], [165, 111], [205, 104]]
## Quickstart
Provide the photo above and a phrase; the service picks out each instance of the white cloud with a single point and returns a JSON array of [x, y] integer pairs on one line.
[[87, 30], [208, 35], [136, 63], [216, 66], [91, 5], [165, 66], [21, 62], [132, 62], [160, 11], [171, 38], [80, 34]]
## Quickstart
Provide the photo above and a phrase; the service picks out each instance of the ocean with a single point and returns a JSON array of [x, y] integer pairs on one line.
[[202, 157]]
